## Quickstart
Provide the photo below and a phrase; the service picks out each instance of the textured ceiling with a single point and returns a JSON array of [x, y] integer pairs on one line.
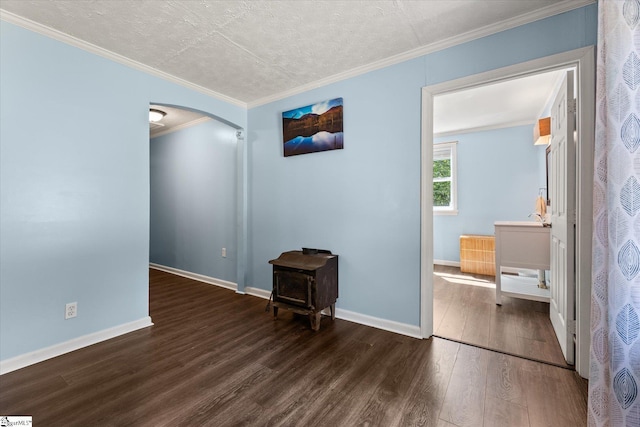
[[251, 51]]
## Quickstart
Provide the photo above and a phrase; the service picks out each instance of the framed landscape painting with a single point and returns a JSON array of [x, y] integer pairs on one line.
[[313, 128]]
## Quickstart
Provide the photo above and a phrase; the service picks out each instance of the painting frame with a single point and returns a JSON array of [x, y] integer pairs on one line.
[[313, 128]]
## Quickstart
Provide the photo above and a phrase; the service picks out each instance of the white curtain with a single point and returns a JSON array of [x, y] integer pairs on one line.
[[615, 302]]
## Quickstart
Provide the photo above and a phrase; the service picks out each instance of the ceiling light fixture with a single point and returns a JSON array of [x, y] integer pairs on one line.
[[156, 115], [542, 132]]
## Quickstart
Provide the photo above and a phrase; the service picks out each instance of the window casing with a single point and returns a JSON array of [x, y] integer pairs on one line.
[[445, 179]]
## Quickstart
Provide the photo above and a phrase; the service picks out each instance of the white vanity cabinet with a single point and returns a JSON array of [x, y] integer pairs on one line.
[[521, 244]]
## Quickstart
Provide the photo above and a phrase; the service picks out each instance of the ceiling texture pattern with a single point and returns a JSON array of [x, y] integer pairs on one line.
[[256, 51]]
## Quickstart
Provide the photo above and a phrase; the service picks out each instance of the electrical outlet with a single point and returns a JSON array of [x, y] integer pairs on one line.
[[71, 310], [224, 252]]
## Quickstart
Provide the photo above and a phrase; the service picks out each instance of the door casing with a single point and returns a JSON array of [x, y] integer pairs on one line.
[[583, 60]]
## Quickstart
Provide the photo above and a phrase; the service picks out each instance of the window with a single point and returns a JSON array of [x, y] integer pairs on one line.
[[444, 179]]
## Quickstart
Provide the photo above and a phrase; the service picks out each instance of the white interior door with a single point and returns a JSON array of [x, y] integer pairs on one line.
[[563, 208]]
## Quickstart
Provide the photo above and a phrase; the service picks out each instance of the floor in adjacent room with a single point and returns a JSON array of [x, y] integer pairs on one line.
[[216, 358], [465, 310]]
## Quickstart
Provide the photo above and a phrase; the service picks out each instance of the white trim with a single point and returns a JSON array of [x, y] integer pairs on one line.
[[586, 75], [195, 276], [484, 128], [536, 15], [182, 126], [27, 359], [257, 292], [446, 263], [452, 148], [542, 13], [376, 322], [426, 215], [352, 316], [584, 61], [445, 212], [36, 27]]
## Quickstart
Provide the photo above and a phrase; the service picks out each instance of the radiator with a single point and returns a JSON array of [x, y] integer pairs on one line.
[[478, 254]]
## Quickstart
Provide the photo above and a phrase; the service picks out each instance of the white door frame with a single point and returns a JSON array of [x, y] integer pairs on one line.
[[584, 61]]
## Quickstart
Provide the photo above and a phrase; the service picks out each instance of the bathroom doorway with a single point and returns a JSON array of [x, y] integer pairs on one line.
[[498, 174], [583, 61]]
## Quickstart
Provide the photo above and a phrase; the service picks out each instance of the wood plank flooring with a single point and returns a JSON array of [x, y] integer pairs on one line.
[[216, 358], [465, 310]]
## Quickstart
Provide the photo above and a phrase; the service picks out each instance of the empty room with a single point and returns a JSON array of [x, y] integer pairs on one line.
[[231, 213]]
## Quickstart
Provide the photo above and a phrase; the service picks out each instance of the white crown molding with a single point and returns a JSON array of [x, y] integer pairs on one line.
[[545, 12], [36, 27], [195, 276], [556, 87], [182, 126], [551, 10], [27, 359], [485, 128]]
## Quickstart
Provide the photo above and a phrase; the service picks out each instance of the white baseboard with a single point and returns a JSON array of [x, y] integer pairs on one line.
[[446, 263], [195, 276], [376, 322], [257, 292], [352, 316], [24, 360], [510, 270]]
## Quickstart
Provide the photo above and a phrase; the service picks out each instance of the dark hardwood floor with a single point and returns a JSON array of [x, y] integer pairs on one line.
[[465, 310], [216, 358]]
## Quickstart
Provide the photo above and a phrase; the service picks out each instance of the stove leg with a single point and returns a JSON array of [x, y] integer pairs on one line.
[[275, 313], [315, 320]]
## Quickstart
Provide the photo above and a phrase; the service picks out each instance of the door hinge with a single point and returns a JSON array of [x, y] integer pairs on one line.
[[572, 327], [572, 105]]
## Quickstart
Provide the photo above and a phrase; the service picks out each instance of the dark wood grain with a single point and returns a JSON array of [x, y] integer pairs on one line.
[[465, 310], [505, 380], [499, 412], [464, 401], [216, 358], [427, 392]]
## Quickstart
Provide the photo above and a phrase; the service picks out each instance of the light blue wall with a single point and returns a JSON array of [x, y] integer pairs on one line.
[[193, 200], [74, 185], [74, 188], [363, 202], [498, 180]]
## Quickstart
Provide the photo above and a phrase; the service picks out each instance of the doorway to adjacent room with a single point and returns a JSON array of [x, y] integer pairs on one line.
[[583, 61]]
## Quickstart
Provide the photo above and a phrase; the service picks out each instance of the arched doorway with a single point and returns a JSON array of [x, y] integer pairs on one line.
[[197, 196]]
